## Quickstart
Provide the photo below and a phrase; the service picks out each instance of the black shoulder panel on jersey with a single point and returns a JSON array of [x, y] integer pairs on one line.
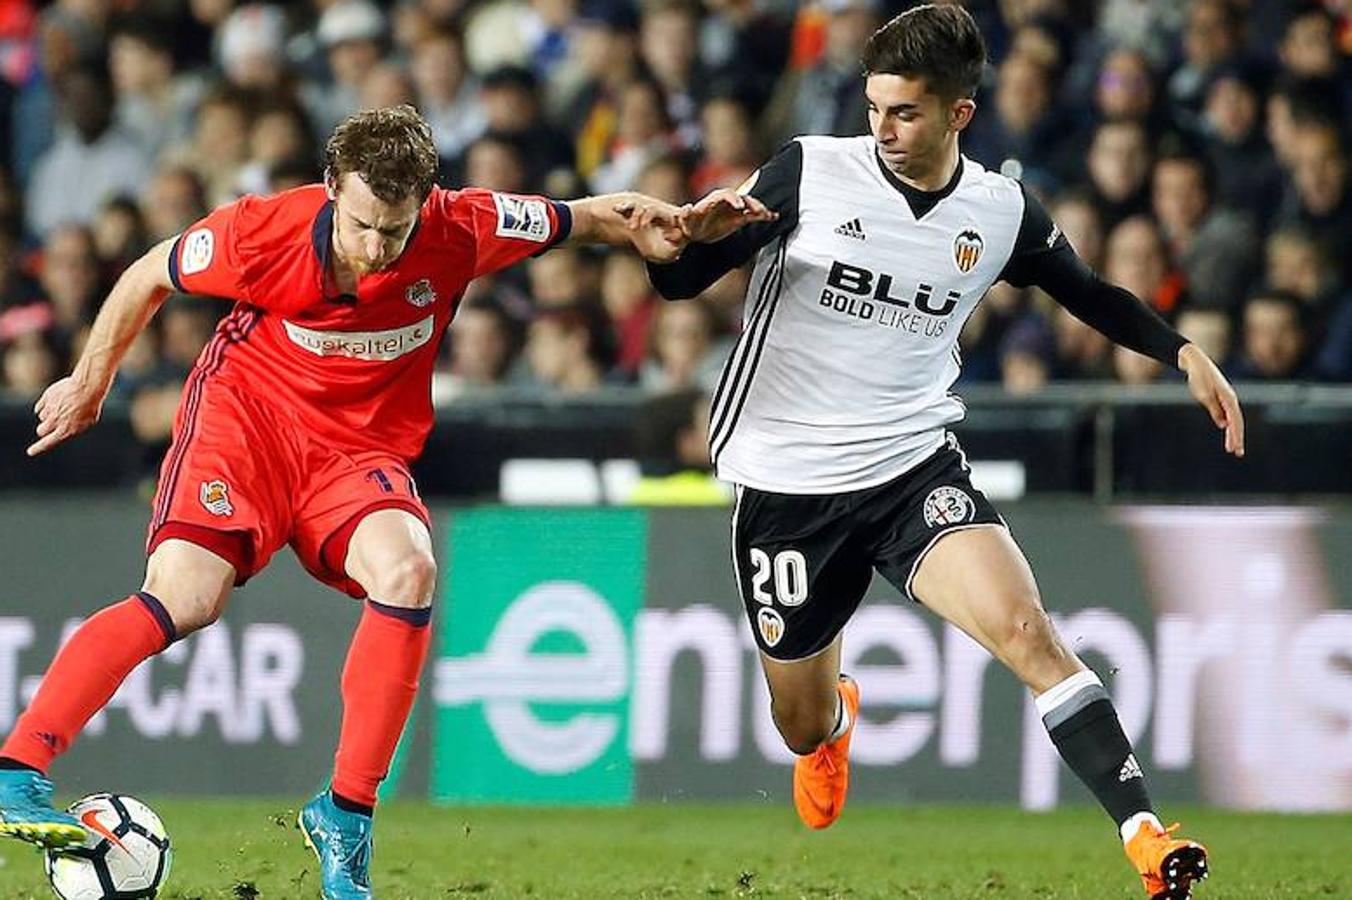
[[777, 186], [1043, 257]]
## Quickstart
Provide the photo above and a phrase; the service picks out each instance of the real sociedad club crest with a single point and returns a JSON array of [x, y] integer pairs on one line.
[[420, 293], [967, 249], [216, 498]]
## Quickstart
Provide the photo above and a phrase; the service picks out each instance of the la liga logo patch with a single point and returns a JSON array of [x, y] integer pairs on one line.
[[198, 248]]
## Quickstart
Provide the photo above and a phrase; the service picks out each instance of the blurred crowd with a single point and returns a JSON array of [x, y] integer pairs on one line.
[[1193, 152]]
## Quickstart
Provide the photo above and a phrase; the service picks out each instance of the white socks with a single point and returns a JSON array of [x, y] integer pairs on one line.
[[1132, 825]]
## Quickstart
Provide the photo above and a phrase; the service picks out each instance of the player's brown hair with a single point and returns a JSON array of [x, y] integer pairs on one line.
[[940, 44], [391, 149]]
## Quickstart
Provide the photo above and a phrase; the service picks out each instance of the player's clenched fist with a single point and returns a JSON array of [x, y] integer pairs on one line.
[[657, 232], [65, 409]]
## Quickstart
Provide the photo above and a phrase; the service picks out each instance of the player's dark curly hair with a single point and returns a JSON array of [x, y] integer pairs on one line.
[[391, 149], [940, 44]]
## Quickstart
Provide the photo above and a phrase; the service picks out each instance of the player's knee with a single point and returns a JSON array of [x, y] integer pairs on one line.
[[804, 726], [409, 581], [189, 609], [1026, 637]]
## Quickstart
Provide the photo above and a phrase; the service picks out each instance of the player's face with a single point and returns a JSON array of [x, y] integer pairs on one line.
[[369, 233], [912, 126]]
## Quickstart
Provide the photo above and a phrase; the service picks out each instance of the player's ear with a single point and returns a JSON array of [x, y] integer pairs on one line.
[[960, 113], [330, 184]]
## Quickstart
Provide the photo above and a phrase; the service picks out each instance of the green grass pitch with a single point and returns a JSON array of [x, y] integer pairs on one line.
[[250, 850]]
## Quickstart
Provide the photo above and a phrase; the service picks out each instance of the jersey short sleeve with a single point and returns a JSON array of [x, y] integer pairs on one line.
[[510, 227], [206, 258], [1040, 245]]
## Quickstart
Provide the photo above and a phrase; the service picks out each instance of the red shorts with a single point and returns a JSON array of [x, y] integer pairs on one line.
[[242, 479]]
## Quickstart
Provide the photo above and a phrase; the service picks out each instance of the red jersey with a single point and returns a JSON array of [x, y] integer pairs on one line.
[[356, 370]]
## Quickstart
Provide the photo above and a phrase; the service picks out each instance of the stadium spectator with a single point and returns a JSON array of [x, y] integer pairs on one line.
[[668, 44], [510, 97], [386, 84], [1309, 45], [351, 34], [119, 232], [483, 346], [1319, 197], [642, 134], [825, 97], [665, 177], [1130, 367], [1126, 88], [1296, 261], [173, 200], [1247, 175], [251, 49], [1081, 352], [1275, 338], [448, 94], [630, 304], [1079, 219], [1215, 248], [152, 105], [70, 280], [30, 363], [673, 440], [681, 351], [1026, 125], [1136, 258], [220, 143], [90, 161], [1026, 352], [562, 352], [494, 162], [606, 50], [1118, 165], [1213, 36], [17, 288], [730, 150], [1211, 329], [557, 280], [280, 131]]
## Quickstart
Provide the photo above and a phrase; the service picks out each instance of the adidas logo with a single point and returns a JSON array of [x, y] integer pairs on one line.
[[1130, 769], [852, 229]]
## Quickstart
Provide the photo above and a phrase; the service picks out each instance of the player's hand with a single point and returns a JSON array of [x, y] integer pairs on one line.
[[655, 228], [64, 410], [1210, 388], [720, 213]]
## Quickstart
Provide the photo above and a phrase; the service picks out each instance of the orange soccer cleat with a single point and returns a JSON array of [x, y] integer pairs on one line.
[[1168, 865], [821, 778]]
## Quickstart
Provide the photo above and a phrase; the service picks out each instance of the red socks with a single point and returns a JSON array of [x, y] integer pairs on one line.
[[85, 674], [380, 680]]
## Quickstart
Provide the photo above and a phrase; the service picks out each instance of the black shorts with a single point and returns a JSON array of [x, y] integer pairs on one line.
[[804, 561]]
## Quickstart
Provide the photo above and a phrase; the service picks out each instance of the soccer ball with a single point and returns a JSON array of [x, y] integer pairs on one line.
[[126, 855]]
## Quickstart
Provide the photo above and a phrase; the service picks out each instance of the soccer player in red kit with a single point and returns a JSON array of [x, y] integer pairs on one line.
[[297, 426]]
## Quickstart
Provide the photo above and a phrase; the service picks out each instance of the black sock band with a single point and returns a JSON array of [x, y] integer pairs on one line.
[[7, 763], [1092, 743], [351, 806]]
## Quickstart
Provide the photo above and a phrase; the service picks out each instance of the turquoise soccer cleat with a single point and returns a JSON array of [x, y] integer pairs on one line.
[[342, 841], [26, 811]]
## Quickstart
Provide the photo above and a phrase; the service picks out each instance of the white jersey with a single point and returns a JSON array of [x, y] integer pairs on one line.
[[841, 377]]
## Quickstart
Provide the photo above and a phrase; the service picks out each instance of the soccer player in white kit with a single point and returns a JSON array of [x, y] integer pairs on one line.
[[831, 416]]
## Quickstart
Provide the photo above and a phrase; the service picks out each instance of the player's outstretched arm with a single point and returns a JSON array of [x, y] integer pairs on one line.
[[1211, 389], [650, 226], [74, 403]]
